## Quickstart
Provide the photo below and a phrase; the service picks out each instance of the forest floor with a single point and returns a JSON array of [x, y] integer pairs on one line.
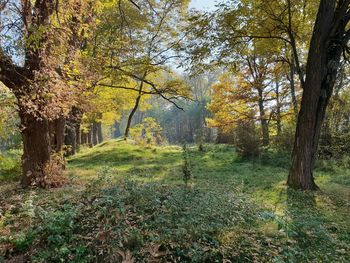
[[129, 203]]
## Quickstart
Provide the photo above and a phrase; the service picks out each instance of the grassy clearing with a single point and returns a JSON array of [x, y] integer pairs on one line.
[[127, 202]]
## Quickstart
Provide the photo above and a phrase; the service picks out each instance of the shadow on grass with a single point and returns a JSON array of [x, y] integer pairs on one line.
[[312, 230]]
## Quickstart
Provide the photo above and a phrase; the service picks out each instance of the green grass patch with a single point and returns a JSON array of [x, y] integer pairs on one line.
[[10, 165], [128, 202]]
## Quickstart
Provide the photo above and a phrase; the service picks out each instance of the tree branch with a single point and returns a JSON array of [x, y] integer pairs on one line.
[[11, 75]]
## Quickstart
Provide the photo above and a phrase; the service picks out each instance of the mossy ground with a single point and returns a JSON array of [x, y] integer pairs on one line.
[[129, 202]]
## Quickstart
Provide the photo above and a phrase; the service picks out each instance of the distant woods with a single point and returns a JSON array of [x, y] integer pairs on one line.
[[285, 58], [250, 73]]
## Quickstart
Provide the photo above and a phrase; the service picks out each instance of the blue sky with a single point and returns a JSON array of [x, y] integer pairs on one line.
[[202, 4]]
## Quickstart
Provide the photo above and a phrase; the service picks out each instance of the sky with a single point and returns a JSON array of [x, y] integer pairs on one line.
[[202, 4]]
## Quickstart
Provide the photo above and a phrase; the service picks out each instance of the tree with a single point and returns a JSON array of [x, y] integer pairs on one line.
[[39, 80], [329, 40], [244, 38], [139, 50], [258, 68], [287, 23]]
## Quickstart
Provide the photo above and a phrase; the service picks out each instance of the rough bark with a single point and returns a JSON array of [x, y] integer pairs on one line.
[[37, 162], [327, 43], [36, 149]]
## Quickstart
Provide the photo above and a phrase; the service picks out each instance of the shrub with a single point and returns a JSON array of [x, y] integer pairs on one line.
[[336, 145], [247, 140], [285, 140], [148, 132]]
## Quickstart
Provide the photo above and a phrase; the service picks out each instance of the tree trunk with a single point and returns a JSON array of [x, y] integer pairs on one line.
[[60, 124], [128, 125], [94, 134], [263, 120], [89, 137], [36, 149], [57, 127], [292, 88], [84, 138], [99, 132], [78, 135], [323, 62], [38, 166], [70, 138], [132, 113], [137, 103]]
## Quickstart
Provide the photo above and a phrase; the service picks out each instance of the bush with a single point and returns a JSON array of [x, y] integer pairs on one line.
[[247, 139], [148, 132], [334, 146], [285, 140]]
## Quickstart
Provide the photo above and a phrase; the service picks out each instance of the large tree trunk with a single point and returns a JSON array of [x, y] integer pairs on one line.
[[263, 121], [36, 149], [326, 45], [39, 165]]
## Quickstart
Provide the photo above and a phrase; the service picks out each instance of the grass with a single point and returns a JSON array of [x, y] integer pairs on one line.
[[129, 203], [9, 165]]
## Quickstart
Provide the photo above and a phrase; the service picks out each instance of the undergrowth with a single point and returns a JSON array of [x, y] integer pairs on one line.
[[10, 165], [233, 211]]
